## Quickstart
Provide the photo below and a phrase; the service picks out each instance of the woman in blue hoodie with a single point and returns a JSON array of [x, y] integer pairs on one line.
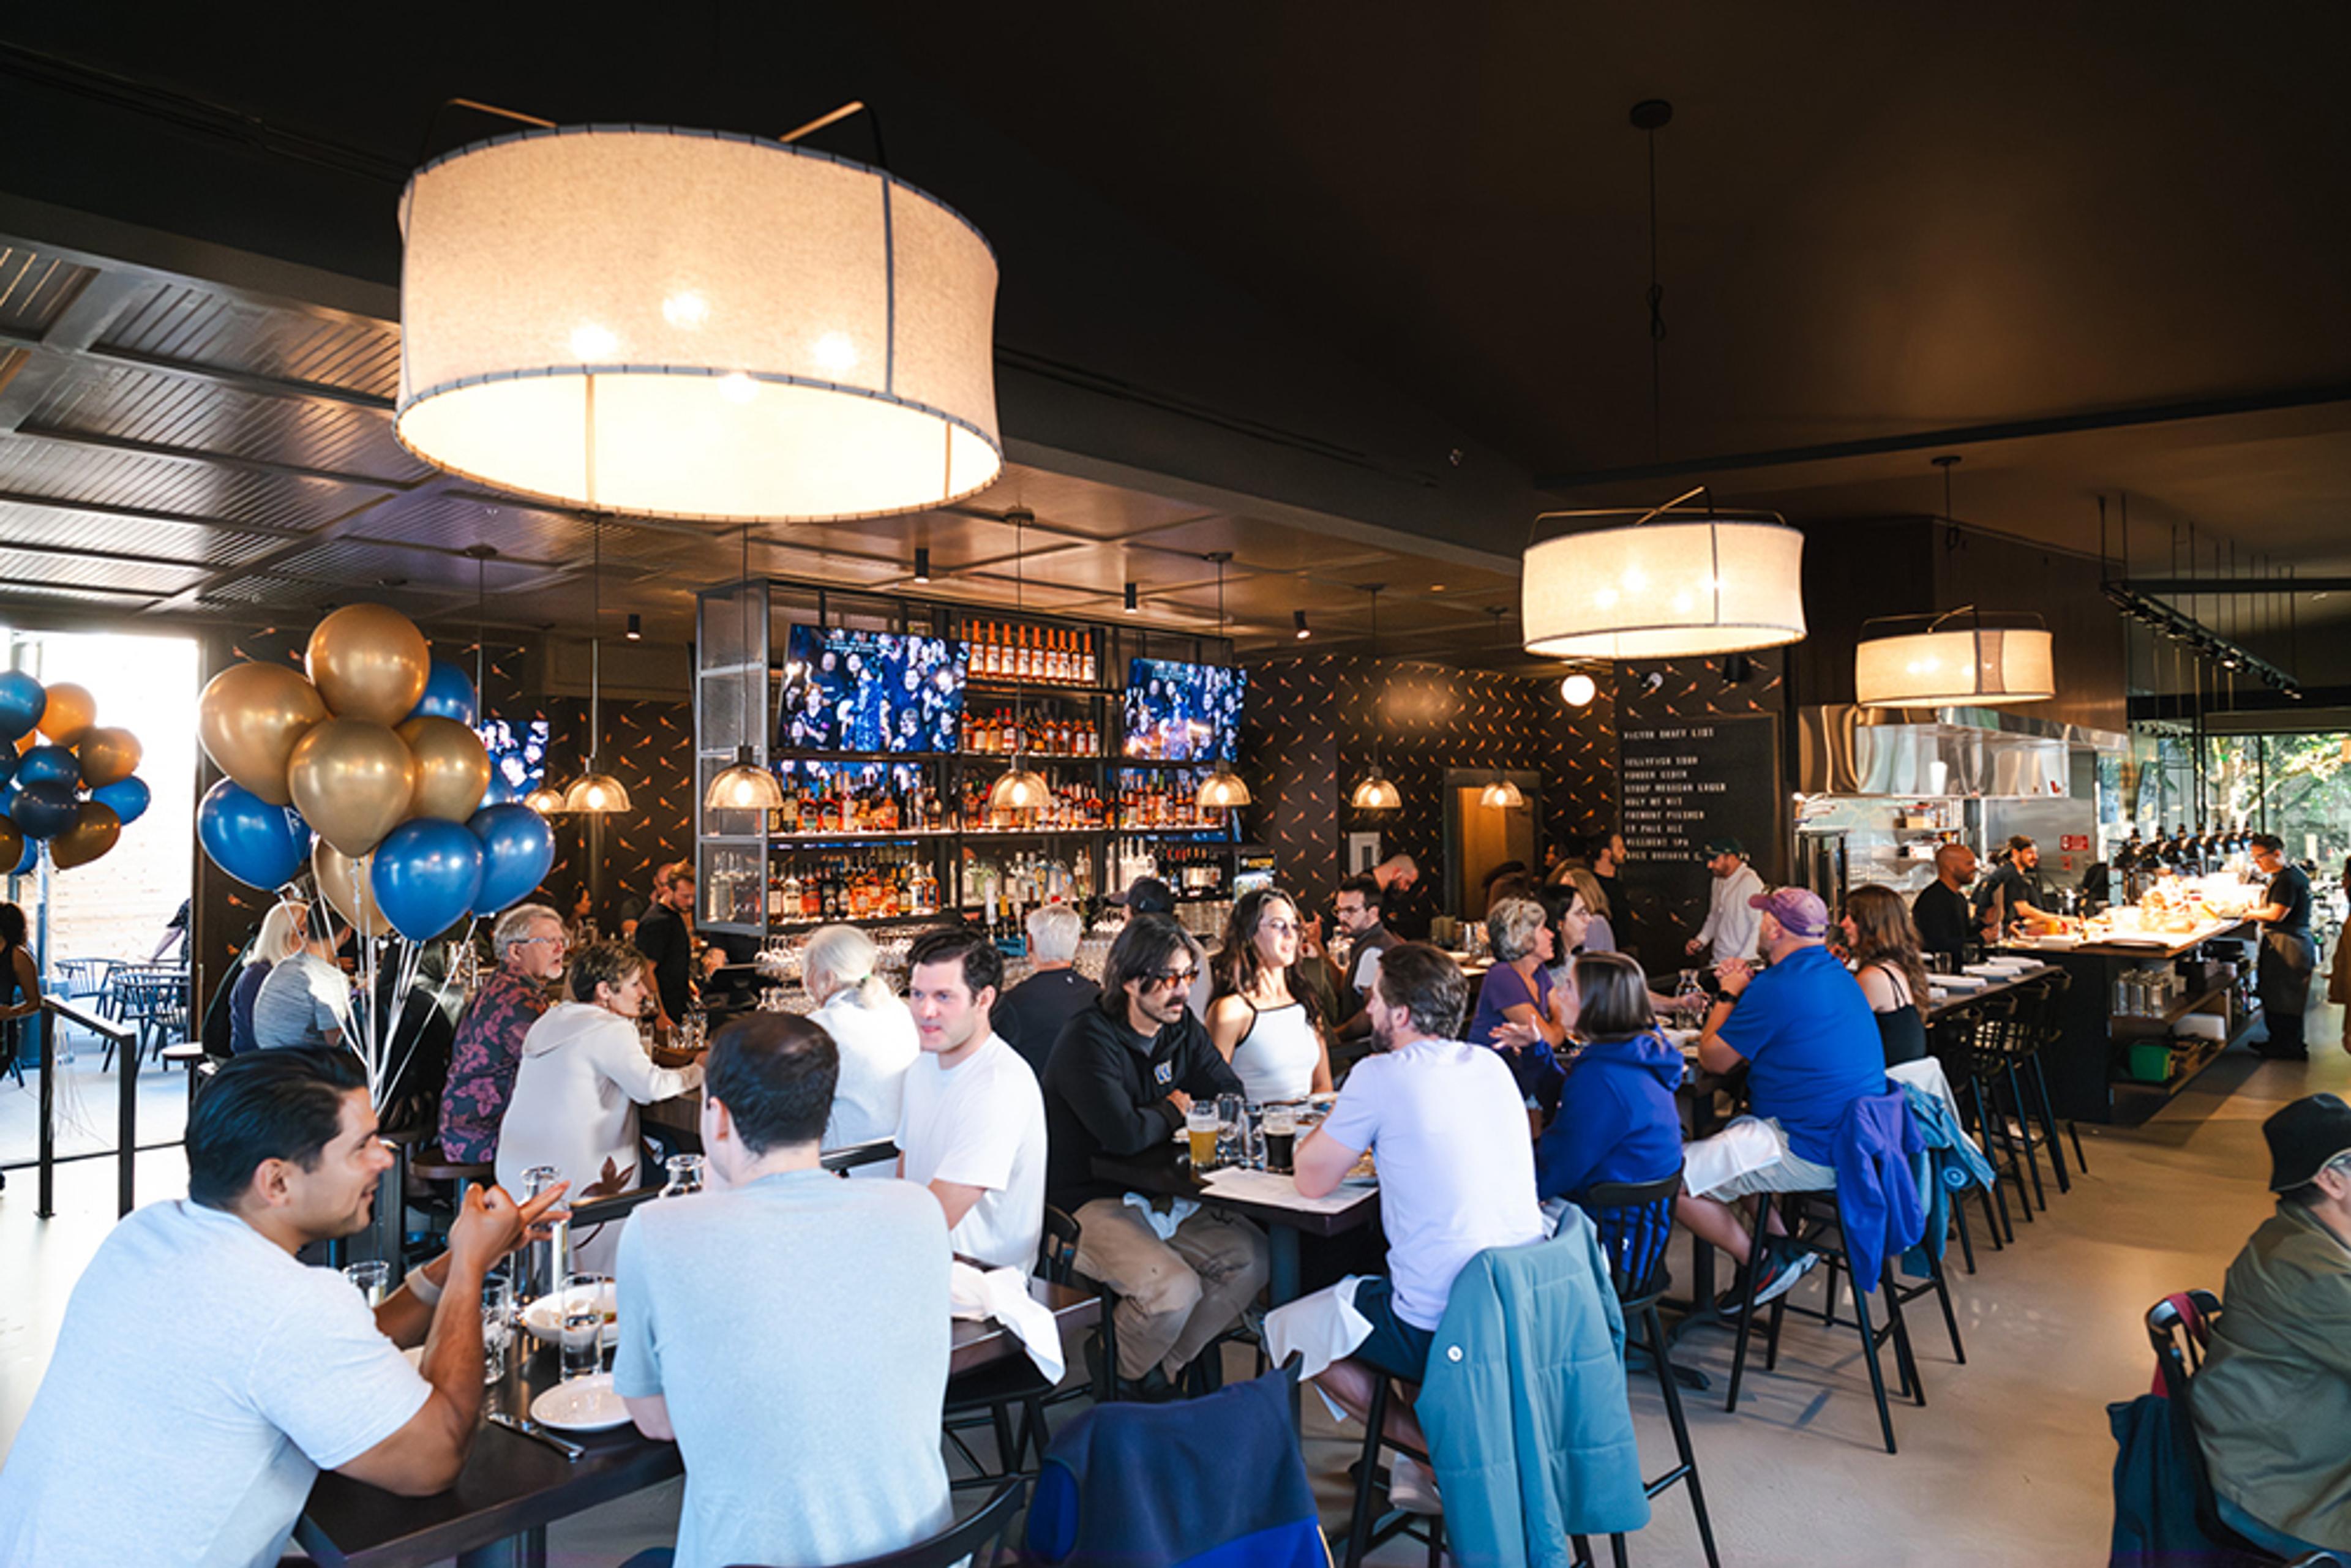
[[1616, 1120]]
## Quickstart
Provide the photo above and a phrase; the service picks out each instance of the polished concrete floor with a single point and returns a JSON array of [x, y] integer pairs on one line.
[[2008, 1463]]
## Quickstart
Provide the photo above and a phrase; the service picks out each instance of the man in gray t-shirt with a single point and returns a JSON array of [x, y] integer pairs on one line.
[[788, 1330]]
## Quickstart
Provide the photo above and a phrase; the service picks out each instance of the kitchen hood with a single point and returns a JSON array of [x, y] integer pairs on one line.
[[1982, 752]]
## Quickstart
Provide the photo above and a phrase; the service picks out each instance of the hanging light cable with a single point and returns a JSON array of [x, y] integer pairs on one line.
[[745, 785], [595, 792], [1019, 788], [1376, 793], [1222, 788]]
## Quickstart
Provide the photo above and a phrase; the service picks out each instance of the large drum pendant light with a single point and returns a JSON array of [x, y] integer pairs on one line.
[[1961, 659], [694, 324], [1675, 583]]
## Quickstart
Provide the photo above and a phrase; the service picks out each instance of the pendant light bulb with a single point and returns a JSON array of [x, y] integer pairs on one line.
[[1376, 792], [596, 795], [1578, 689], [744, 785], [1222, 789], [546, 802], [1501, 794]]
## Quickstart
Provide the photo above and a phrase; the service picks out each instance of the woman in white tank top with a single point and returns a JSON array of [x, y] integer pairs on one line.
[[1269, 1033]]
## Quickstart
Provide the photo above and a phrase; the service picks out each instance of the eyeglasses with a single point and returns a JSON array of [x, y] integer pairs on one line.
[[1180, 978], [557, 941]]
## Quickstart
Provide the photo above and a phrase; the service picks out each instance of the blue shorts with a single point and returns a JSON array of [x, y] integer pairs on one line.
[[1395, 1346]]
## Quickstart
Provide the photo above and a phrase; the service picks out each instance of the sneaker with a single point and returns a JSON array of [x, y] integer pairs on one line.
[[1412, 1488], [1780, 1277]]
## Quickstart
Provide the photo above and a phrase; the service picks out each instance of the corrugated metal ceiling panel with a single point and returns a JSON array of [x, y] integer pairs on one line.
[[195, 326], [196, 416], [35, 288], [21, 568], [188, 542], [356, 561], [69, 473]]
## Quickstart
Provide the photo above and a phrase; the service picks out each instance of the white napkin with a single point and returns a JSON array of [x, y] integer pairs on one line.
[[1003, 1294], [1324, 1327], [1163, 1222], [1747, 1145]]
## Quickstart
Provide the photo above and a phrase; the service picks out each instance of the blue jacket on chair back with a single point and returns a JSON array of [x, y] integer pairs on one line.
[[1525, 1406], [1876, 1190]]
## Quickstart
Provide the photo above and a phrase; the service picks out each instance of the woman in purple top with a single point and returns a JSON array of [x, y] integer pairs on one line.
[[488, 1048], [1518, 991]]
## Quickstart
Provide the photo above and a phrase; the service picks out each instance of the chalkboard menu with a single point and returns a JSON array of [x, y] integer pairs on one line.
[[1681, 783]]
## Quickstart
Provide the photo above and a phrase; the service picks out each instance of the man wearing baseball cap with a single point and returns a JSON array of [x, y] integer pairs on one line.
[[2273, 1403], [1731, 930], [1806, 1033]]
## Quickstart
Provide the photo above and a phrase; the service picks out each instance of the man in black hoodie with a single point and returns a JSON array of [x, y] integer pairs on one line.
[[1119, 1082]]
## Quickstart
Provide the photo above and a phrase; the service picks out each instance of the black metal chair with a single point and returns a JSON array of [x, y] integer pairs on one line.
[[2045, 1020], [2177, 1355], [1971, 1057], [987, 1526], [1009, 1398], [1830, 1233], [1636, 1221]]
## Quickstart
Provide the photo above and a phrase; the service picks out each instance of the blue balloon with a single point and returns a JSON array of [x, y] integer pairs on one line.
[[499, 793], [30, 861], [448, 693], [518, 848], [22, 699], [49, 764], [129, 797], [425, 875], [8, 768], [44, 808], [259, 844]]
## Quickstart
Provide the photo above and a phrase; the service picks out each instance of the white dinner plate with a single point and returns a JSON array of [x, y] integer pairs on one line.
[[582, 1405], [539, 1319]]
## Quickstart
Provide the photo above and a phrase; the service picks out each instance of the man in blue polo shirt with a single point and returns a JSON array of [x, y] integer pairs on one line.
[[1804, 1029]]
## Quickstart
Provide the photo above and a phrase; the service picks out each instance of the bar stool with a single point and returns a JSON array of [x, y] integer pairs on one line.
[[2002, 1040], [1794, 1209], [1951, 1040], [1635, 1222], [1981, 1067], [2046, 1024]]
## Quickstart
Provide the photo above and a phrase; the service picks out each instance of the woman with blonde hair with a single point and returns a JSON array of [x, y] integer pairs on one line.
[[280, 937], [1598, 935], [1883, 945], [872, 1029]]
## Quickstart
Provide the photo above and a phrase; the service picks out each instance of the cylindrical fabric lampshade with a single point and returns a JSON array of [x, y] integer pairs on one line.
[[1961, 667], [1664, 589], [694, 324]]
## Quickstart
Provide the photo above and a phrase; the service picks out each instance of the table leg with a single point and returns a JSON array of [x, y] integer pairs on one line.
[[1281, 1244], [528, 1550]]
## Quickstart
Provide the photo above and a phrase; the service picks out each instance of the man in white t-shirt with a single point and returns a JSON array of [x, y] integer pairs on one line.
[[1448, 1127], [972, 1127], [203, 1378], [1732, 929]]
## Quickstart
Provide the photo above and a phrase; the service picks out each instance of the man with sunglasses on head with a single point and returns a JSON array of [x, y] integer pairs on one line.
[[1119, 1082]]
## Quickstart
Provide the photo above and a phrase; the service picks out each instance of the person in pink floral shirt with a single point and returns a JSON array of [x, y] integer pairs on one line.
[[531, 947]]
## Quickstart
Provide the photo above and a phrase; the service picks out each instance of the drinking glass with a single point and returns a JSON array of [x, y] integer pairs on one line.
[[546, 1260], [1200, 1129], [685, 1174], [497, 1325], [1280, 1138], [371, 1279], [584, 1304], [1232, 1129]]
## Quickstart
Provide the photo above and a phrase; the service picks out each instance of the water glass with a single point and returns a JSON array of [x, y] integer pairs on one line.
[[497, 1325], [685, 1174], [372, 1280], [548, 1260], [1232, 1125], [582, 1319]]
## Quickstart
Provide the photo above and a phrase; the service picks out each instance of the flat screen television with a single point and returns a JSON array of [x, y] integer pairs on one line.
[[1183, 713], [870, 692], [518, 751]]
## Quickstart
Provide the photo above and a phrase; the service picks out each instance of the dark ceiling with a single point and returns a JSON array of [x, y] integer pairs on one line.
[[1386, 263]]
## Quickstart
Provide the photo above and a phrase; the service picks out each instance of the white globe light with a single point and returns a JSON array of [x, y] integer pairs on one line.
[[1578, 689]]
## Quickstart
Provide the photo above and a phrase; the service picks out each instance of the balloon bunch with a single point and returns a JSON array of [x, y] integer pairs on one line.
[[75, 793], [372, 771]]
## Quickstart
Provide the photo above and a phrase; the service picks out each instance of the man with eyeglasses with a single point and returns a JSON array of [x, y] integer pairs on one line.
[[531, 947], [1119, 1082]]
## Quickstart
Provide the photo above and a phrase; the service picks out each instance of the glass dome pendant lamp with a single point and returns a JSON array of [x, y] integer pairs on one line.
[[1374, 791], [596, 793], [744, 785], [1019, 788], [1222, 789]]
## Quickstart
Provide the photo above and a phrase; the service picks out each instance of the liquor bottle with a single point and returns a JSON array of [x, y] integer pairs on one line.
[[1088, 671]]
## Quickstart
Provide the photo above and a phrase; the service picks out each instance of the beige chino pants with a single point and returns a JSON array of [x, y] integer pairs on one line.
[[1175, 1296]]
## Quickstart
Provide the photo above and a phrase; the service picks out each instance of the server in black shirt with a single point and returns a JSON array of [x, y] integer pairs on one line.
[[2014, 892], [1946, 920], [2288, 952], [1118, 1083], [665, 936], [1031, 1015]]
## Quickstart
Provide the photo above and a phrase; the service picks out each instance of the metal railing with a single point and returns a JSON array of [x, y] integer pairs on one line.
[[126, 1150]]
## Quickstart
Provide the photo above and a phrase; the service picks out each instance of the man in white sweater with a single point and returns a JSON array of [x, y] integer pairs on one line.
[[1731, 927]]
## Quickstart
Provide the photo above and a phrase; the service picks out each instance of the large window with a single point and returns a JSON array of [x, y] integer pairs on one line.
[[2295, 786]]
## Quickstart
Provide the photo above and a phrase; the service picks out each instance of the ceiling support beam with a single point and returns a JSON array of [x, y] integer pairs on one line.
[[2215, 587]]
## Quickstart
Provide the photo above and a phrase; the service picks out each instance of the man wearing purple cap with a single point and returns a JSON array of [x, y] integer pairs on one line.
[[1805, 1031]]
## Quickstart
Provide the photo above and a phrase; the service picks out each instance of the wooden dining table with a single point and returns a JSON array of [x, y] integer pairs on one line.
[[514, 1487]]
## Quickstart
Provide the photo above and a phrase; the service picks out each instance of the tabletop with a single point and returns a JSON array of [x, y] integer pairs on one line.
[[1165, 1173], [512, 1483], [1958, 1000]]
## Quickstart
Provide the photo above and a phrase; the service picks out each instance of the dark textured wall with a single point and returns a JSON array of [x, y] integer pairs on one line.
[[1314, 724]]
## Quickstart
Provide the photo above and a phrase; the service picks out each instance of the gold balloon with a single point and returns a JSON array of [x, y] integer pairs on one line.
[[369, 661], [108, 756], [12, 846], [343, 883], [452, 768], [71, 710], [351, 780], [248, 720], [95, 829]]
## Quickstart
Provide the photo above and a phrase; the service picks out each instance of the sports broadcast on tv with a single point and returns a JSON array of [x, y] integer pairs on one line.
[[1183, 713], [870, 690]]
